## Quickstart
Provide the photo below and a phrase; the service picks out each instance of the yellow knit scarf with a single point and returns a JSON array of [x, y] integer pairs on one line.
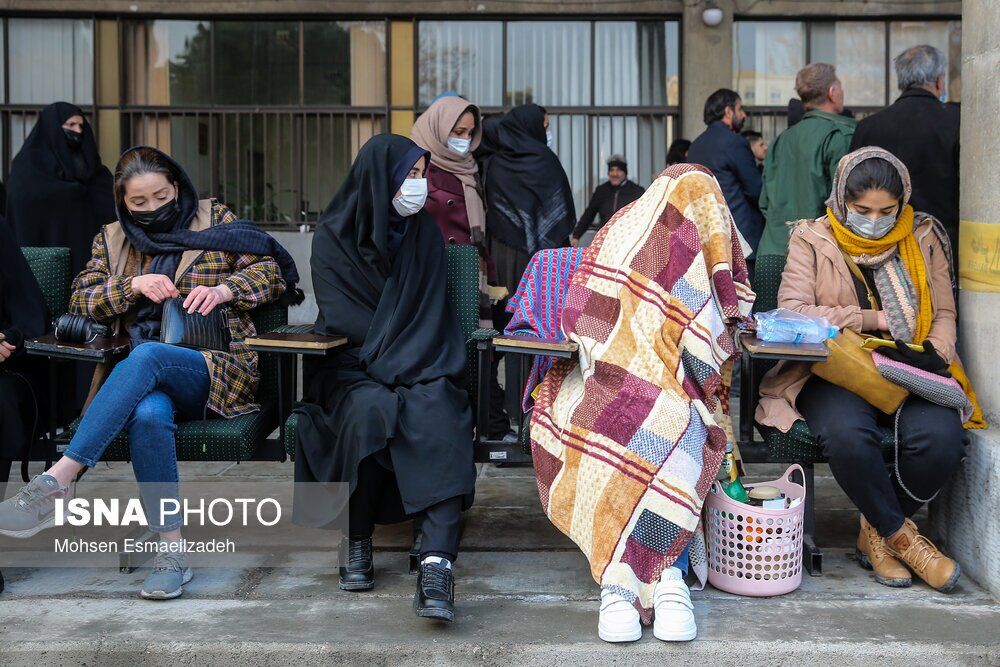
[[909, 250]]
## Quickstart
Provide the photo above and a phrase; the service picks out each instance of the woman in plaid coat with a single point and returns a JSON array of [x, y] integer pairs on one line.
[[166, 244]]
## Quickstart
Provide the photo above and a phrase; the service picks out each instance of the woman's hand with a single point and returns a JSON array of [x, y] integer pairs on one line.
[[155, 286], [574, 242], [6, 349], [883, 323], [204, 299]]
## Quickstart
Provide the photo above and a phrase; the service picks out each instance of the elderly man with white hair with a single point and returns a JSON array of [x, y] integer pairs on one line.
[[921, 129]]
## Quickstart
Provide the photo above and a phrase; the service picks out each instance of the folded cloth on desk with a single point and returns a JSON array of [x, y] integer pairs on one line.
[[537, 305]]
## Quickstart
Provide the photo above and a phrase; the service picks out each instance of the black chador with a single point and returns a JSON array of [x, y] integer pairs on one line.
[[388, 413]]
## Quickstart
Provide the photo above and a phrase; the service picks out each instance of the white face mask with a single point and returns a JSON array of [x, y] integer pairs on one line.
[[412, 195], [548, 138], [868, 228], [460, 146]]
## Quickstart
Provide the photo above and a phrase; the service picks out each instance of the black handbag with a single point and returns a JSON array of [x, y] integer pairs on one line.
[[194, 330]]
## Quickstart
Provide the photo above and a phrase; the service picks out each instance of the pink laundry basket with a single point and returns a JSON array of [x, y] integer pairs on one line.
[[751, 550]]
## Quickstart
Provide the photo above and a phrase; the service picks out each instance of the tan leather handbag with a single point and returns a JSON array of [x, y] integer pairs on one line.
[[851, 366]]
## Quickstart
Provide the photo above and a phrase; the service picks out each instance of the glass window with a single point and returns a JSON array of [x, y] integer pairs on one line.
[[344, 63], [256, 62], [630, 64], [945, 35], [548, 62], [51, 60], [168, 63], [857, 49], [463, 56], [766, 57], [673, 63]]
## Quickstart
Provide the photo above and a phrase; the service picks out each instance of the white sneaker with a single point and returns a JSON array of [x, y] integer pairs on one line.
[[619, 620], [673, 612]]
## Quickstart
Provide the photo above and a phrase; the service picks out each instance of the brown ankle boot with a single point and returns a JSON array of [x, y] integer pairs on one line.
[[920, 555], [873, 555]]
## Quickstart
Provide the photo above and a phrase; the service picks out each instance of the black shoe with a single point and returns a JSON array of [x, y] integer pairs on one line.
[[435, 596], [359, 573]]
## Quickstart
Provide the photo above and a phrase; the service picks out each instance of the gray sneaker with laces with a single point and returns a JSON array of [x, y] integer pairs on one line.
[[170, 572], [32, 509]]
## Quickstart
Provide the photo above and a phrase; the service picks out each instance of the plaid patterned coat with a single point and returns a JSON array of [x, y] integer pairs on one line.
[[627, 440], [103, 291]]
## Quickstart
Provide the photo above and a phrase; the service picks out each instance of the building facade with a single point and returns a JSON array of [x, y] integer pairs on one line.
[[266, 102]]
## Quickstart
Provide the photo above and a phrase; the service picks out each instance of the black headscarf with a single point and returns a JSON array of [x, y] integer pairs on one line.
[[490, 143], [397, 390], [59, 196], [22, 306], [529, 204], [241, 236]]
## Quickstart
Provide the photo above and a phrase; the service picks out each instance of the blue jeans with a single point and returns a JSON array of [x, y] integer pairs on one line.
[[146, 393], [682, 561]]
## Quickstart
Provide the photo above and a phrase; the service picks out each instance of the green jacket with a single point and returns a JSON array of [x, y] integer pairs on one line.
[[798, 174]]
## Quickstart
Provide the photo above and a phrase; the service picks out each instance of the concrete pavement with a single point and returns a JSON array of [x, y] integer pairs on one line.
[[524, 593]]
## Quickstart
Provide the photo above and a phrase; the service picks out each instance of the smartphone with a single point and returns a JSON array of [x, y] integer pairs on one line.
[[875, 343]]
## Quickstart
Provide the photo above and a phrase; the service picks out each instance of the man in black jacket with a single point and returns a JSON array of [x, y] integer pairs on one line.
[[922, 131], [608, 198]]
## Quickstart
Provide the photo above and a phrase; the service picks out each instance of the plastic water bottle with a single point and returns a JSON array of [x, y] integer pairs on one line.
[[787, 326]]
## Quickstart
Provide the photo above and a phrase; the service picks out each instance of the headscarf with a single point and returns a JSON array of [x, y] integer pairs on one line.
[[431, 133], [22, 305], [59, 196], [900, 273], [242, 236], [529, 200], [352, 248]]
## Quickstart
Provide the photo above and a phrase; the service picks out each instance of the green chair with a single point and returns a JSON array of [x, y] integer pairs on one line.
[[463, 295], [242, 438], [51, 268]]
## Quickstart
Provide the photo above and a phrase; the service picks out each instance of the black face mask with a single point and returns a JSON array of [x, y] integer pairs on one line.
[[160, 220], [74, 139]]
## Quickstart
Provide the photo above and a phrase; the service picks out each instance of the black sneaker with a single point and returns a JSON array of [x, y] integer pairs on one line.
[[435, 596], [359, 572]]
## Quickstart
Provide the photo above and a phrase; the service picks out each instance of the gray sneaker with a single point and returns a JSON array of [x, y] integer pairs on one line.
[[170, 572], [32, 509]]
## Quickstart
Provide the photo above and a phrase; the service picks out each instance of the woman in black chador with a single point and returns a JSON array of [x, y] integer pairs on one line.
[[388, 413], [59, 193]]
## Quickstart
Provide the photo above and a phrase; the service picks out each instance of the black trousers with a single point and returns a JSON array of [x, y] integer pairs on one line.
[[931, 446], [376, 499]]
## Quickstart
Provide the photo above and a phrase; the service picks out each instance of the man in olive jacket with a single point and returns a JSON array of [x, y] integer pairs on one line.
[[801, 163]]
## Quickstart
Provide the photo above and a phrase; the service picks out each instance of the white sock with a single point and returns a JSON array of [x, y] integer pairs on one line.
[[672, 573], [438, 560]]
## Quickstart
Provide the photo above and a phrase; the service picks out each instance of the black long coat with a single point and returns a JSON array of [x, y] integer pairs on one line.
[[923, 133], [397, 390]]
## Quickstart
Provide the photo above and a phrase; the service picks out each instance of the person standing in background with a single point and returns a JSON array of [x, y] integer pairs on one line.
[[608, 199], [529, 203], [451, 129], [758, 146], [801, 163], [59, 193], [678, 151], [721, 148], [923, 132]]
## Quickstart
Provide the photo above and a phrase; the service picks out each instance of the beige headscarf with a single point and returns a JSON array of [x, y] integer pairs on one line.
[[431, 131]]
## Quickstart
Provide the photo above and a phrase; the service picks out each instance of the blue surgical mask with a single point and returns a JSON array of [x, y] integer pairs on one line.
[[412, 195], [868, 228], [460, 146], [548, 138]]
